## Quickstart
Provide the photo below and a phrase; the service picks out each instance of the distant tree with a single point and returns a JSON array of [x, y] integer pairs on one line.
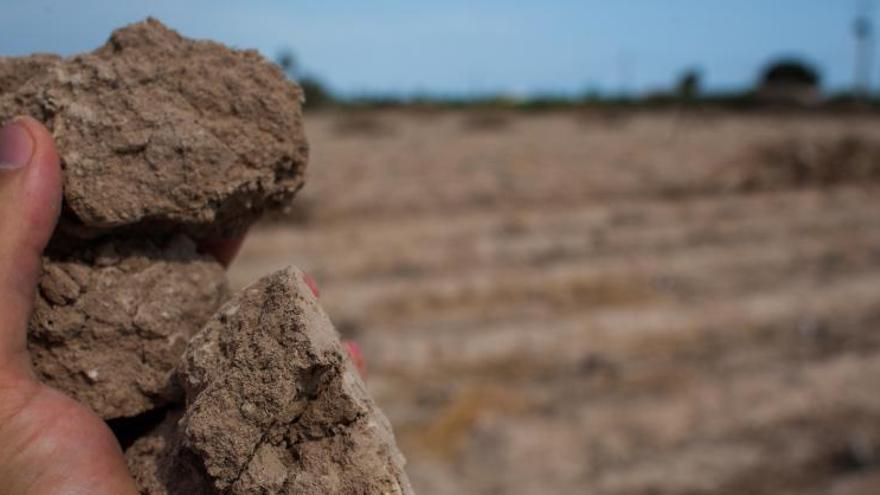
[[317, 94], [689, 85], [790, 72], [591, 95], [287, 61], [790, 81]]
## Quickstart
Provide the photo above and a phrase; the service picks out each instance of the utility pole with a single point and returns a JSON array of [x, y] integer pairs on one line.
[[864, 32]]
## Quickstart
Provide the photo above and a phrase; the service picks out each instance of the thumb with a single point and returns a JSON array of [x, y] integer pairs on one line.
[[30, 200]]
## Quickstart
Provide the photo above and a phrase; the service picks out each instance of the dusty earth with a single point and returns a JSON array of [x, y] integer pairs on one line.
[[604, 303]]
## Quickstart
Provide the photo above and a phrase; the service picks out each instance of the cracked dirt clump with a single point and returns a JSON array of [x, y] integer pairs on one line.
[[111, 321], [162, 134], [273, 406]]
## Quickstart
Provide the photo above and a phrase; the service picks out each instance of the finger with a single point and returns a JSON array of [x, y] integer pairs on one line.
[[351, 347], [30, 200], [312, 284], [357, 357], [223, 250]]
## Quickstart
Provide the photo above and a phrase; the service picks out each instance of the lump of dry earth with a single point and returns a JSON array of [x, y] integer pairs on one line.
[[111, 322], [273, 406], [159, 133]]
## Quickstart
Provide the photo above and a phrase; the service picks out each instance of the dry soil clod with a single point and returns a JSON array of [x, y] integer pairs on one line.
[[111, 322], [273, 406], [162, 133]]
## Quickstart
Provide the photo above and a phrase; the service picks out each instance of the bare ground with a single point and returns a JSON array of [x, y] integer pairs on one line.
[[608, 304]]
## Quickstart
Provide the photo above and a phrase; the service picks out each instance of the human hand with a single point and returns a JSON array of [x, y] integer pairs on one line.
[[49, 443]]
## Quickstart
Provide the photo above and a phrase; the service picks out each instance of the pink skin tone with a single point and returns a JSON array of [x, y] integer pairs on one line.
[[49, 443], [225, 250], [353, 349]]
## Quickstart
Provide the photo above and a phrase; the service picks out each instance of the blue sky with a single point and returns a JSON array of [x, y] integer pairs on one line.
[[462, 47]]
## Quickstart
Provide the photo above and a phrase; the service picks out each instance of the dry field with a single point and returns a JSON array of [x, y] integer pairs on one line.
[[605, 304]]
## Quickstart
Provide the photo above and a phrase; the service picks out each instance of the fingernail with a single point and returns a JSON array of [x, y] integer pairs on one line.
[[16, 146]]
